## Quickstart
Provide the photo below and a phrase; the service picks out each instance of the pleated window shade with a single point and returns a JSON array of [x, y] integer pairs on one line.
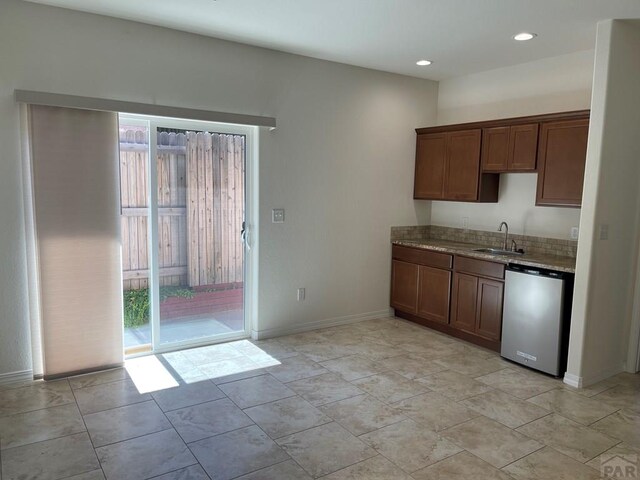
[[74, 157]]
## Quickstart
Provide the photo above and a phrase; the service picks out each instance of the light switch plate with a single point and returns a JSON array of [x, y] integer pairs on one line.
[[277, 215]]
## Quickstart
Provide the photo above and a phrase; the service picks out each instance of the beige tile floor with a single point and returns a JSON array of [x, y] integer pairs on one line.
[[380, 399]]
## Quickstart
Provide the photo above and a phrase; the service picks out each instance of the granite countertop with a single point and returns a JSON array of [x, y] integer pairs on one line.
[[552, 262]]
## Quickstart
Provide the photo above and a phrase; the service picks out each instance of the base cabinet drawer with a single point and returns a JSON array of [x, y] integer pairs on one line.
[[478, 267], [422, 257]]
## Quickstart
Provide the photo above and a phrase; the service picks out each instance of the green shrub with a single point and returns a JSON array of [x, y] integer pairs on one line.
[[137, 304]]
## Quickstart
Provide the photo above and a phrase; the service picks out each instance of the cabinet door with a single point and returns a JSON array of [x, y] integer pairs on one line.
[[464, 302], [404, 286], [431, 152], [434, 289], [462, 168], [489, 309], [562, 153], [495, 149], [523, 147]]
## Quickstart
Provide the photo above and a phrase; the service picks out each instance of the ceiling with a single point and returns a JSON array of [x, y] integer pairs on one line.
[[459, 36]]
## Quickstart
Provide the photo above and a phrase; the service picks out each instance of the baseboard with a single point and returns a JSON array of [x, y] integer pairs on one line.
[[572, 380], [325, 323], [16, 377], [582, 382]]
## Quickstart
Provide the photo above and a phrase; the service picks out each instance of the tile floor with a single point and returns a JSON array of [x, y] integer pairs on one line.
[[380, 399]]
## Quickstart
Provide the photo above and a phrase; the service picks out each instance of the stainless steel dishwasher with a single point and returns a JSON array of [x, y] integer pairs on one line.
[[537, 311]]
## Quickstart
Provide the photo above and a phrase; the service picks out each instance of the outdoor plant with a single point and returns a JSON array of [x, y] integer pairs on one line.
[[137, 303]]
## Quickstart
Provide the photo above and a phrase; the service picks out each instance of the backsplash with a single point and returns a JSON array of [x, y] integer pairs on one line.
[[418, 232], [530, 244]]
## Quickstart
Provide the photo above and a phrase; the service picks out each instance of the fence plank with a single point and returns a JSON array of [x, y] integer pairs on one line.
[[217, 238], [192, 206], [202, 233]]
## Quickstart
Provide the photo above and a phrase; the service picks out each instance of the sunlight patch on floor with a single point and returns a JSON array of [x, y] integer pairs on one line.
[[163, 371], [149, 374]]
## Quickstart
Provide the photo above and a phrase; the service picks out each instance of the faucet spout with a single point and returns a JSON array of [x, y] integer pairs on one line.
[[506, 234]]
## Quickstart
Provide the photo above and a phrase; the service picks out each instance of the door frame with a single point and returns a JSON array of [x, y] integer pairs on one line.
[[250, 279]]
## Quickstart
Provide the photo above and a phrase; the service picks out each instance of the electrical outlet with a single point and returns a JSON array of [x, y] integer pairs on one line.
[[465, 222], [301, 294], [277, 215], [575, 232], [604, 231]]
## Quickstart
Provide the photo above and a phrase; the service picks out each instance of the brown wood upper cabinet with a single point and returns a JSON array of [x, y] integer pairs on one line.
[[431, 155], [510, 148], [562, 152], [463, 162], [448, 168]]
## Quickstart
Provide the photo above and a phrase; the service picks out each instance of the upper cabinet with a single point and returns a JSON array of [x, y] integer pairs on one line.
[[464, 162], [510, 148], [462, 168], [562, 153], [448, 168], [431, 156]]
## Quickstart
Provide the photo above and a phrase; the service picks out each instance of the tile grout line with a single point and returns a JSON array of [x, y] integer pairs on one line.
[[181, 468], [95, 453], [606, 416], [37, 410], [544, 445], [181, 438], [110, 409], [605, 451]]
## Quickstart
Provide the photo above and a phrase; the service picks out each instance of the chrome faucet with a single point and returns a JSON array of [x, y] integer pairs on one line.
[[506, 235]]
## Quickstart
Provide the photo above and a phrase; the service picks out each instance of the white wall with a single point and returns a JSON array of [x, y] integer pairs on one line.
[[550, 85], [340, 163], [606, 268]]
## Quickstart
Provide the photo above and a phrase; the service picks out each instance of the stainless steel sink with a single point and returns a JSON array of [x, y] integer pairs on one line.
[[497, 251]]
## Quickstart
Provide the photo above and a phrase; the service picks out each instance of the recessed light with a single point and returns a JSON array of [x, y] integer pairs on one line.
[[524, 36], [423, 63]]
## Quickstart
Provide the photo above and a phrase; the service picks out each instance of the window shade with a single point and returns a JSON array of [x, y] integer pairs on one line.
[[76, 203]]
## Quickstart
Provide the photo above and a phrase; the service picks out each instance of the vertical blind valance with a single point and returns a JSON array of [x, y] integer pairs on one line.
[[110, 105]]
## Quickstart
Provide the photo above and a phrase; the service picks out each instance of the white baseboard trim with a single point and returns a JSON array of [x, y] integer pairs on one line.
[[582, 382], [572, 380], [325, 323], [16, 377]]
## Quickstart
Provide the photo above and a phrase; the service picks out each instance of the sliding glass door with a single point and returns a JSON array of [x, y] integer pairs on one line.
[[183, 194]]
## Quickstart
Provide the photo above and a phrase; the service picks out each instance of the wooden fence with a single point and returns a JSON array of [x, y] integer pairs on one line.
[[200, 208]]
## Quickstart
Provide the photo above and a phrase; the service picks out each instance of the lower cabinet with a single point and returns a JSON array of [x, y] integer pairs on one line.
[[434, 292], [477, 305], [404, 286], [489, 315], [463, 300]]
